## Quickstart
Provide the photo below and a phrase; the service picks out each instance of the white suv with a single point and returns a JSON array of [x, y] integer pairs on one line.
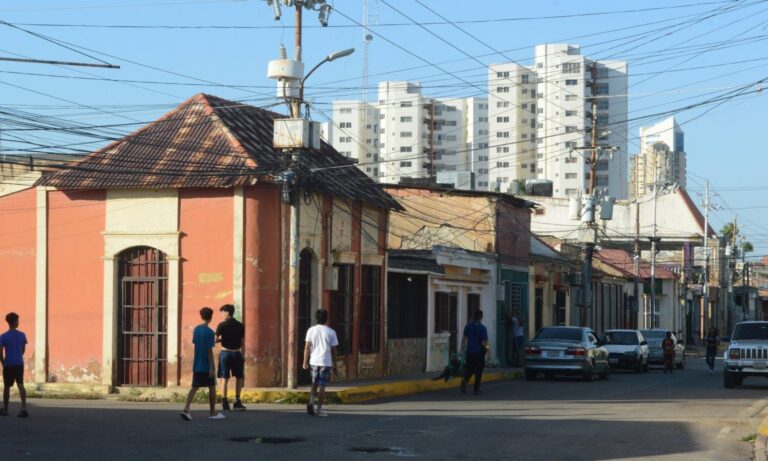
[[747, 353]]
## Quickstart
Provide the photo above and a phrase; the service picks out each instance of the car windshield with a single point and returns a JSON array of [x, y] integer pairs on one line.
[[621, 337], [750, 331], [654, 334], [565, 334]]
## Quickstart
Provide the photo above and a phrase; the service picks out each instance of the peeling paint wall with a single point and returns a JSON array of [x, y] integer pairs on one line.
[[75, 282], [261, 286], [205, 222], [17, 266]]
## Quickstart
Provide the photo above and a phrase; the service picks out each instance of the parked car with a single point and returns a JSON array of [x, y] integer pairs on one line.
[[747, 353], [627, 349], [566, 350], [655, 354]]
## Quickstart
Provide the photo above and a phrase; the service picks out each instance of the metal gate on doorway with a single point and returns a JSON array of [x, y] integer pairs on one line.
[[142, 317]]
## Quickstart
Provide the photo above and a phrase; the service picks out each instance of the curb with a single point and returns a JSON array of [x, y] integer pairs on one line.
[[341, 394], [761, 443], [401, 388]]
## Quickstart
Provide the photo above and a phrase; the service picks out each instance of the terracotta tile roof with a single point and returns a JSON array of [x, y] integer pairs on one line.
[[622, 260], [210, 142]]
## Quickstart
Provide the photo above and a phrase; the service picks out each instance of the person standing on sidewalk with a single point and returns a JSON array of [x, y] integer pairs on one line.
[[13, 344], [203, 367], [231, 334], [668, 349], [475, 344], [712, 340], [320, 355], [519, 337]]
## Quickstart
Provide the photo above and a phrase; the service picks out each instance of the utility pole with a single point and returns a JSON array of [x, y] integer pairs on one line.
[[636, 260], [588, 204], [293, 136], [654, 240], [705, 204]]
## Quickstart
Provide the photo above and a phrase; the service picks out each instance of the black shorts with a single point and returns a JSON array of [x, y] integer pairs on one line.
[[231, 363], [13, 374], [202, 380]]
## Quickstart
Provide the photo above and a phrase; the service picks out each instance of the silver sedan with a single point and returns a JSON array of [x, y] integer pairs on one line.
[[566, 350]]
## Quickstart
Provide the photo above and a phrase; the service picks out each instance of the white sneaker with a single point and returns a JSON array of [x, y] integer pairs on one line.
[[185, 416], [217, 416], [711, 372], [321, 413]]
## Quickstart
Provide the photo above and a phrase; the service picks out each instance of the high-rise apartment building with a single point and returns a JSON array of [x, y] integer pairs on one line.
[[661, 160], [530, 126], [564, 120], [512, 127]]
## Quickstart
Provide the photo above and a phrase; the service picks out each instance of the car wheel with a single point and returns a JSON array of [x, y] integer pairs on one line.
[[530, 375], [589, 375], [606, 372], [729, 379], [681, 365]]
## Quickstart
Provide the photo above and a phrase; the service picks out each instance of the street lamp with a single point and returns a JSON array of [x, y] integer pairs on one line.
[[329, 58]]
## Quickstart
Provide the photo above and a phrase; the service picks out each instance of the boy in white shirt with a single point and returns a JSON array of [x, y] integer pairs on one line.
[[320, 354]]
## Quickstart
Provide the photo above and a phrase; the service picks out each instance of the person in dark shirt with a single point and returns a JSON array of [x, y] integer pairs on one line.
[[712, 340], [231, 334], [475, 344], [13, 344], [668, 349]]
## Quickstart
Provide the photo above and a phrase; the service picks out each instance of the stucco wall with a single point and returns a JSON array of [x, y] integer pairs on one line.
[[205, 222], [261, 287], [17, 266], [75, 283], [405, 356]]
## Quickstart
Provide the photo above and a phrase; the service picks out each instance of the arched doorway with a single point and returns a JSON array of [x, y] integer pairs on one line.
[[304, 315], [142, 349]]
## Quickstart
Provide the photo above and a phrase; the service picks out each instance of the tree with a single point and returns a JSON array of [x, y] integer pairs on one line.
[[730, 232]]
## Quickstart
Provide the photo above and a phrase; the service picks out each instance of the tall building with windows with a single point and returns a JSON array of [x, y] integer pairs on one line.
[[355, 133], [661, 160], [564, 120], [531, 125]]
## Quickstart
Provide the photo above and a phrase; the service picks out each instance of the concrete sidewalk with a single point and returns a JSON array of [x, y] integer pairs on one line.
[[343, 392]]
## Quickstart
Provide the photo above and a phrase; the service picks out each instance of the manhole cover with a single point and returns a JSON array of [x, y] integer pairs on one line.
[[275, 440], [391, 450]]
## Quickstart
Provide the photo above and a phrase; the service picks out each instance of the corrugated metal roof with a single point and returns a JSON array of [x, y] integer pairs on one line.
[[212, 142]]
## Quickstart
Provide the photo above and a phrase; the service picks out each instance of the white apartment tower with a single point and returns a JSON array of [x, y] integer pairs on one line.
[[661, 159], [355, 133], [512, 126], [564, 122], [402, 112]]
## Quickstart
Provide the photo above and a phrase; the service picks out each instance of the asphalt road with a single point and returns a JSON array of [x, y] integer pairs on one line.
[[684, 416]]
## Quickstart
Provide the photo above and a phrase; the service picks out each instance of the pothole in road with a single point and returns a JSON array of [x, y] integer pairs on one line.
[[272, 440], [390, 450]]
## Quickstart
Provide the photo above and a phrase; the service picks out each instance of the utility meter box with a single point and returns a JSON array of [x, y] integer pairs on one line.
[[296, 133]]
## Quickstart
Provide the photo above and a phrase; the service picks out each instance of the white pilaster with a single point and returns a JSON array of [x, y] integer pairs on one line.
[[41, 286]]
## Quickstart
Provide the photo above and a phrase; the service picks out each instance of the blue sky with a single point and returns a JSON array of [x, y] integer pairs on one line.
[[679, 53]]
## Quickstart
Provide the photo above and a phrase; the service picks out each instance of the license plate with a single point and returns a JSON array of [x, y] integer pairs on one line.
[[759, 364], [552, 354]]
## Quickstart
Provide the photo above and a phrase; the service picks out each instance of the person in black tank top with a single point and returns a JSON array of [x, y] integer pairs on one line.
[[712, 340]]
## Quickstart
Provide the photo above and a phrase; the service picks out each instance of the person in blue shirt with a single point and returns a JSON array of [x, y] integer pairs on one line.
[[13, 344], [475, 345], [203, 367]]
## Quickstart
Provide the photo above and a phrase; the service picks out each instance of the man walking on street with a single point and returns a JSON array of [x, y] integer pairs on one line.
[[668, 349], [712, 341], [13, 344], [320, 354], [203, 368], [475, 343], [231, 334]]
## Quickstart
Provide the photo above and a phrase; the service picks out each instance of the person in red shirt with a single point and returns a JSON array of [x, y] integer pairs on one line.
[[668, 347]]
